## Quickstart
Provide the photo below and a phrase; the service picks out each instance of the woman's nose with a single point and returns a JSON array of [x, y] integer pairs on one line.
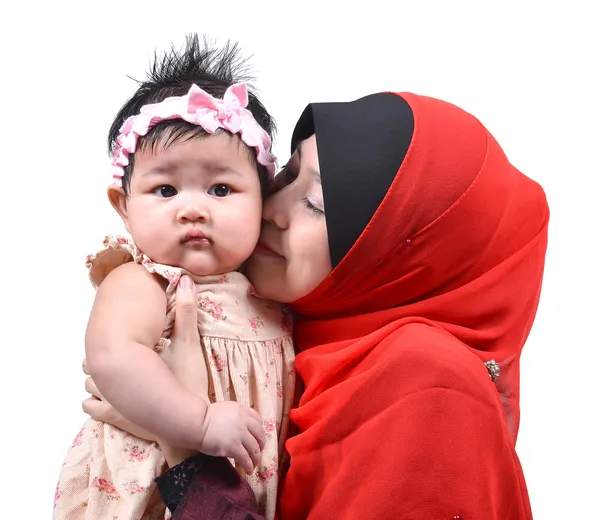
[[276, 210]]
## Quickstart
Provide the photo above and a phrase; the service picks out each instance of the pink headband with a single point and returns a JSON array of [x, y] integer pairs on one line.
[[199, 108]]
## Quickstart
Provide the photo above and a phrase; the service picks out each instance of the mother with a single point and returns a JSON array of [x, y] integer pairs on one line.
[[412, 253]]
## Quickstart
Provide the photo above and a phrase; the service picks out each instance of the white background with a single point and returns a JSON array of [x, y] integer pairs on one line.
[[528, 70]]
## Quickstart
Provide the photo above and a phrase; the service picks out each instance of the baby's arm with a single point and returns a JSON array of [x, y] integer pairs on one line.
[[126, 322]]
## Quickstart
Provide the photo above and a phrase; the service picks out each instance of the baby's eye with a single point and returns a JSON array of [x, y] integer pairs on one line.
[[165, 191], [220, 190]]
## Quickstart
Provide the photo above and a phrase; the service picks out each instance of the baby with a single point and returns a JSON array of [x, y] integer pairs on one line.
[[191, 160]]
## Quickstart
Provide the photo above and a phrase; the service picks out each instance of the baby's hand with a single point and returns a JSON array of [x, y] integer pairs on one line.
[[234, 431]]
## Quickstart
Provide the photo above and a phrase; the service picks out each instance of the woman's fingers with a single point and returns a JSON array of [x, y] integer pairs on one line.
[[98, 410], [91, 388], [104, 412], [185, 328]]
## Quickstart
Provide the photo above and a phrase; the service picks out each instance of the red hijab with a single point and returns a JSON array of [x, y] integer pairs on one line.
[[400, 417]]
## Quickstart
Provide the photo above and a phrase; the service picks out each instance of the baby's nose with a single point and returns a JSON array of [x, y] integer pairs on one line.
[[192, 213]]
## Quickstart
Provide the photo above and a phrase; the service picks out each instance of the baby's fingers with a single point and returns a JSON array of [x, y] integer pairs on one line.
[[241, 456], [252, 447], [256, 429]]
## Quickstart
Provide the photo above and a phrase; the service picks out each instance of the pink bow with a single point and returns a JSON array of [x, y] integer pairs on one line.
[[199, 108]]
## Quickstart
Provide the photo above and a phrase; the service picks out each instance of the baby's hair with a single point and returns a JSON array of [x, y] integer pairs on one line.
[[213, 69]]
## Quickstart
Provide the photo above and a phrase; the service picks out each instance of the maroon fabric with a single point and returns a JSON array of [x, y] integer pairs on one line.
[[218, 492]]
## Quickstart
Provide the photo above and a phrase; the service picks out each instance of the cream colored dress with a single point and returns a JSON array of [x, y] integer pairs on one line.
[[109, 474]]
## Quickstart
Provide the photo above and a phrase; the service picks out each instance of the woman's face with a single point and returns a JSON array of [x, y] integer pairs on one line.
[[292, 256]]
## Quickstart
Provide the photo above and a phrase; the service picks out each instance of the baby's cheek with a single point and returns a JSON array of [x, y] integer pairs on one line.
[[242, 244], [156, 243]]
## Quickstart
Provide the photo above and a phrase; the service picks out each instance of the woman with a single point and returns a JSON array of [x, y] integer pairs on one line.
[[411, 253]]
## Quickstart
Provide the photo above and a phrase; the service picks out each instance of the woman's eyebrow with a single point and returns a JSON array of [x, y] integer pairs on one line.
[[313, 171]]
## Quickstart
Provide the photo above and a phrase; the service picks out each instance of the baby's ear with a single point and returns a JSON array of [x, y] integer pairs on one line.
[[118, 200]]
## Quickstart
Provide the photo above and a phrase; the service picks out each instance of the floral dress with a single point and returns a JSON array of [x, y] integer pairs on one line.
[[250, 358]]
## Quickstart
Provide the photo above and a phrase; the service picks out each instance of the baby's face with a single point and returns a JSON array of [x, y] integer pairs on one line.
[[195, 205]]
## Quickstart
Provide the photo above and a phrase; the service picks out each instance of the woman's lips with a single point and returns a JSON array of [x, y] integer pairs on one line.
[[264, 250]]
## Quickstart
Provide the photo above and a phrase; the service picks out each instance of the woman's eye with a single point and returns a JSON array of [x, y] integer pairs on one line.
[[220, 190], [312, 208], [165, 191]]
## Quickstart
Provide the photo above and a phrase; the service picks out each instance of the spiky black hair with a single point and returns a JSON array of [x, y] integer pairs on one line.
[[210, 67]]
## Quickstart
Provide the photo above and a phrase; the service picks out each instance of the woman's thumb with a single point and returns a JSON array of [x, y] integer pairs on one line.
[[186, 305]]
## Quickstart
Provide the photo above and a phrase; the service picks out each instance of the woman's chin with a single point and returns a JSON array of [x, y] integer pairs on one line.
[[268, 280]]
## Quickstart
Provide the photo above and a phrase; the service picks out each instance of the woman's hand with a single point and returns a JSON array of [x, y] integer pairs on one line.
[[184, 356], [232, 430], [100, 409]]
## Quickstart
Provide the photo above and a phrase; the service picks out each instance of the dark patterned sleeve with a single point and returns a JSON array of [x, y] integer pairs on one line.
[[175, 482], [207, 487]]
